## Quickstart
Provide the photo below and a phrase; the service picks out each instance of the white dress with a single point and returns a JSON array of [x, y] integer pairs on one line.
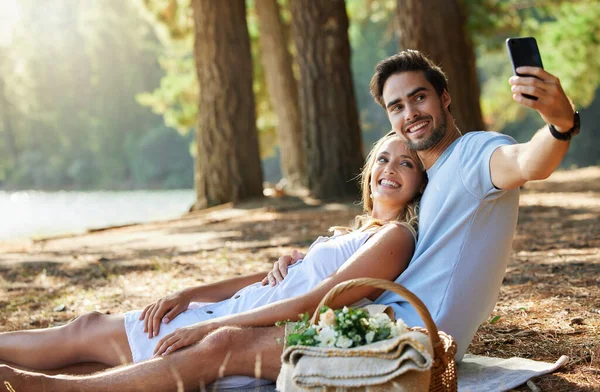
[[323, 258]]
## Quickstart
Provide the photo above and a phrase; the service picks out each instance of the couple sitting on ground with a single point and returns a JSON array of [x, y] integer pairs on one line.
[[468, 200]]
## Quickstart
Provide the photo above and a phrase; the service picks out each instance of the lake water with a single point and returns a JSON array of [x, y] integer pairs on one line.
[[33, 214]]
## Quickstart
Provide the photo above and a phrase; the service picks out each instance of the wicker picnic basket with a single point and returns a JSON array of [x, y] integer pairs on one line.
[[443, 371]]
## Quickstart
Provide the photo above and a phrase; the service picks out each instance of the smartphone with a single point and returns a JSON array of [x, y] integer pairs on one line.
[[524, 51]]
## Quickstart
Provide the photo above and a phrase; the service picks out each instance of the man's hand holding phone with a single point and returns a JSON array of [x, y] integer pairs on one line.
[[552, 102], [534, 87]]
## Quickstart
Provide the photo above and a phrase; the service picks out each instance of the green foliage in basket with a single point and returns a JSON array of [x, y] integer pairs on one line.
[[344, 328]]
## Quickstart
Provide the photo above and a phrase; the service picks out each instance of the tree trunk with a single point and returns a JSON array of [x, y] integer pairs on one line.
[[227, 162], [283, 91], [327, 105], [437, 28]]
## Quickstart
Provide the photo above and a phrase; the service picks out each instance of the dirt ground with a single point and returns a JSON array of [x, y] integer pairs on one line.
[[549, 304]]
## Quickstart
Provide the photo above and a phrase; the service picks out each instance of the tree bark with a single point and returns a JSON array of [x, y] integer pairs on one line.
[[227, 162], [283, 91], [327, 104], [437, 28]]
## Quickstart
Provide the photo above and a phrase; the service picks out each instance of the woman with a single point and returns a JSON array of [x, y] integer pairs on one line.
[[380, 245]]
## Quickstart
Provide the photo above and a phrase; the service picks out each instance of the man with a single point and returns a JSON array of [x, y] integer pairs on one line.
[[468, 217], [469, 209]]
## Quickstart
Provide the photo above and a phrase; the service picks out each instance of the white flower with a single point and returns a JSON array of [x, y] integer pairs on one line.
[[401, 323], [369, 337], [398, 328], [327, 318], [326, 337], [345, 309], [380, 321], [343, 342]]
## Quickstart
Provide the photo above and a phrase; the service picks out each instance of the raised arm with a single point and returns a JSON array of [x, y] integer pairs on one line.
[[513, 165], [385, 256]]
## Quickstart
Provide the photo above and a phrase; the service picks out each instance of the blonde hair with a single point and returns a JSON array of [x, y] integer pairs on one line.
[[365, 221]]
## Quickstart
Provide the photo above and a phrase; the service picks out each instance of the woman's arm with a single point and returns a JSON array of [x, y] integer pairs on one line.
[[167, 308], [280, 268], [219, 291], [385, 256]]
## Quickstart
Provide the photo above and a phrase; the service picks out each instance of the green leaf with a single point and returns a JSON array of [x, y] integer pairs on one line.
[[293, 339]]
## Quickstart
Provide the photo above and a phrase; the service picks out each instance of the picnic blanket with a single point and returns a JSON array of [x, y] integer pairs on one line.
[[478, 373]]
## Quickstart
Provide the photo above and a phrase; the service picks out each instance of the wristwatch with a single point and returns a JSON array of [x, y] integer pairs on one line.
[[566, 136]]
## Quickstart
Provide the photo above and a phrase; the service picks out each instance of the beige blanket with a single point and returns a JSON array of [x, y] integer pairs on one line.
[[310, 368]]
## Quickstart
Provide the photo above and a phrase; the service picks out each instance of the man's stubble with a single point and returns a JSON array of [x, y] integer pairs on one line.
[[437, 134]]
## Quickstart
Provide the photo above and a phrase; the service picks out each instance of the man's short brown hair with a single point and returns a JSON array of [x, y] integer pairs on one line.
[[407, 60]]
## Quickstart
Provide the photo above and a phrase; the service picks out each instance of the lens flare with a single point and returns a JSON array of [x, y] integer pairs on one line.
[[10, 14]]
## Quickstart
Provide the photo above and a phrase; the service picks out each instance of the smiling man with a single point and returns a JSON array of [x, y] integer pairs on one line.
[[466, 225], [469, 209]]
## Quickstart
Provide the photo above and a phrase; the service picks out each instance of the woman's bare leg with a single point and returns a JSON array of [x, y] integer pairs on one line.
[[93, 337]]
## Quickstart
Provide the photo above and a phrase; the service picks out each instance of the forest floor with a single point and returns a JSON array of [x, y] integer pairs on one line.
[[549, 304]]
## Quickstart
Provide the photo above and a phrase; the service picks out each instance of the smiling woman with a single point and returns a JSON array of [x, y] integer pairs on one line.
[[10, 14]]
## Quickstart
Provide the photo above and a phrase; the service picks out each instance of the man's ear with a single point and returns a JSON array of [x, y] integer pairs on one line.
[[446, 98]]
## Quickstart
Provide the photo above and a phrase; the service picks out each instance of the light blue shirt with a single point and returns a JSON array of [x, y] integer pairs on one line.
[[466, 228]]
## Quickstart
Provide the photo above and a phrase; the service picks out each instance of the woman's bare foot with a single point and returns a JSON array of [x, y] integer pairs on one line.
[[14, 380]]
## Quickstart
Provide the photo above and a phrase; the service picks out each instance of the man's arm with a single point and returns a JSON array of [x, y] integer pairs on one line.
[[385, 256], [513, 165]]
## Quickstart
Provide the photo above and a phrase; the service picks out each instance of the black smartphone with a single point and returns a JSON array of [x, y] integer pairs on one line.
[[524, 51]]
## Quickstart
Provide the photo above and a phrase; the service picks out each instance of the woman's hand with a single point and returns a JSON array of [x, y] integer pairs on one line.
[[165, 310], [280, 268], [181, 338]]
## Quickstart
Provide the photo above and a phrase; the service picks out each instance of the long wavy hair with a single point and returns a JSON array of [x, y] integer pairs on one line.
[[365, 221]]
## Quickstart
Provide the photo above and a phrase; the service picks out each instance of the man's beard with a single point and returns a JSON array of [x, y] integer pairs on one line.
[[437, 134]]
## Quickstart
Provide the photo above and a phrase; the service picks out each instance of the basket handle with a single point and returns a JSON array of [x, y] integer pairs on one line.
[[396, 288]]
